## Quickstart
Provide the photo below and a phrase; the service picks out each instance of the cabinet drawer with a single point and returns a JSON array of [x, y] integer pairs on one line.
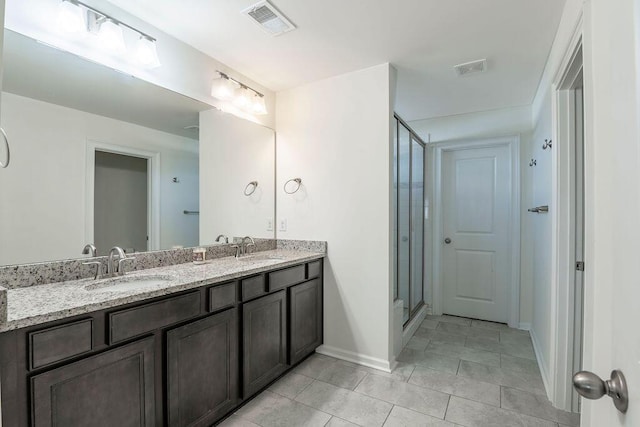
[[253, 287], [314, 269], [222, 296], [288, 276], [59, 343], [136, 321]]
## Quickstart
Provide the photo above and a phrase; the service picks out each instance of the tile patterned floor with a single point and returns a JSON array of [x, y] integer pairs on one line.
[[453, 372]]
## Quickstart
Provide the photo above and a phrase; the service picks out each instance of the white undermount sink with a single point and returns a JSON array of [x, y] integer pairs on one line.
[[261, 257], [128, 283]]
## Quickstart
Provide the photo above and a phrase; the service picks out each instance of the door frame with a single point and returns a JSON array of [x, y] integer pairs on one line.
[[153, 188], [513, 144], [562, 229]]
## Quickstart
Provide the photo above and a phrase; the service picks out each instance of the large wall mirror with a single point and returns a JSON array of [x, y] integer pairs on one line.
[[101, 157]]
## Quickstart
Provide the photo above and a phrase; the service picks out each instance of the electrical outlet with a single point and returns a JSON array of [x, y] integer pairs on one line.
[[269, 224], [283, 224]]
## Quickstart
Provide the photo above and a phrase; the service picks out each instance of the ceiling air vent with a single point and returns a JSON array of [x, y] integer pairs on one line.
[[269, 18], [479, 66]]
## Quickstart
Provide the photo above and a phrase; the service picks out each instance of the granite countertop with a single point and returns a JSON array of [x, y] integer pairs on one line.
[[44, 303]]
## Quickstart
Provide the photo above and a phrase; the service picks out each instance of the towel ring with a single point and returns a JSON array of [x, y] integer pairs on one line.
[[296, 180], [250, 188], [6, 142]]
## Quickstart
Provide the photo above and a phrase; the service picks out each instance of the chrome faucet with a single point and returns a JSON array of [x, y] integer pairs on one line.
[[112, 268], [90, 249], [245, 246], [226, 239]]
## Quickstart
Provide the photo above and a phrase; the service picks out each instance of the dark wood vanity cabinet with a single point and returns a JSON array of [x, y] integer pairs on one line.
[[305, 319], [185, 359], [114, 388], [202, 370], [264, 335]]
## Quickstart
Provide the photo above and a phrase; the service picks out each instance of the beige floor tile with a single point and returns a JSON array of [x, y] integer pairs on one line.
[[408, 396], [402, 417], [521, 380], [519, 364], [339, 422], [236, 421], [270, 409], [536, 406], [431, 360], [459, 386], [437, 336], [291, 385], [345, 404], [452, 328], [474, 414], [450, 319], [465, 353]]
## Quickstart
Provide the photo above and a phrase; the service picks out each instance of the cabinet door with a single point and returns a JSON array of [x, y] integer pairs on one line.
[[264, 337], [115, 388], [305, 319], [202, 369]]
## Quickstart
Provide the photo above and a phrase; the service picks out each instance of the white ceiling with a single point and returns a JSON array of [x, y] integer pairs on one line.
[[424, 39]]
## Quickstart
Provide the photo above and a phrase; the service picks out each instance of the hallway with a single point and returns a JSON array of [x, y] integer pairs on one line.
[[454, 371]]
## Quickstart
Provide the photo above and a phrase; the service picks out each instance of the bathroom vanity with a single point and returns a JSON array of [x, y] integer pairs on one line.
[[184, 353]]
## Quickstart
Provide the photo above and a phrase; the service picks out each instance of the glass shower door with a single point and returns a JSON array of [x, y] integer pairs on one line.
[[404, 220], [409, 201], [417, 225]]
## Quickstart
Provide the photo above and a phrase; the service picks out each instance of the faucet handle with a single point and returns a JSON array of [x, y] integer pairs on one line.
[[98, 265], [237, 248], [121, 261]]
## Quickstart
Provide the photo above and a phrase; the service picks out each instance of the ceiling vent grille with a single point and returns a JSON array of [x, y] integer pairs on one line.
[[269, 18], [479, 66]]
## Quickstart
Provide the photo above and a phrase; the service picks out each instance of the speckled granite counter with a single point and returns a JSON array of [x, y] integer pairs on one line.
[[44, 303]]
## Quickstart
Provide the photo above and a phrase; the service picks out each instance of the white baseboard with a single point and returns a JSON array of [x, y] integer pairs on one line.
[[544, 369], [525, 326], [360, 359], [413, 325]]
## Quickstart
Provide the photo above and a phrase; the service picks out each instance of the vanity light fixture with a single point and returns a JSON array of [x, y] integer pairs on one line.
[[111, 36], [223, 87], [76, 16], [71, 17], [242, 98], [226, 88], [146, 52]]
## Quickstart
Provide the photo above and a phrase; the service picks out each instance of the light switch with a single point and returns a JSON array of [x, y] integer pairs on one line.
[[283, 224], [269, 224]]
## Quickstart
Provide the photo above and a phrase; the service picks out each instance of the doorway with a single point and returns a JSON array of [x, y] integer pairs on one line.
[[151, 201], [476, 232], [121, 202], [570, 226]]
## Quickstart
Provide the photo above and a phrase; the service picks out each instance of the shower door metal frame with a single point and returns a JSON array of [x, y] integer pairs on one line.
[[413, 136]]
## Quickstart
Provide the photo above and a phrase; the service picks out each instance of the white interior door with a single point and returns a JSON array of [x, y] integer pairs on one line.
[[476, 197], [612, 204]]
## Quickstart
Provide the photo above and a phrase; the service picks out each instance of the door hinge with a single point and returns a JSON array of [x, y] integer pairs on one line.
[[580, 266]]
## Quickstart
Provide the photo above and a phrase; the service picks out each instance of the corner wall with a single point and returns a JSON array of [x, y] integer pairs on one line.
[[543, 328], [335, 135]]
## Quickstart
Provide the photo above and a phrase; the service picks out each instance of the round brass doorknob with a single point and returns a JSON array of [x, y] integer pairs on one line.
[[447, 240]]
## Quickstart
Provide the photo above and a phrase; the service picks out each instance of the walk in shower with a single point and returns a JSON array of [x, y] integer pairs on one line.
[[409, 212]]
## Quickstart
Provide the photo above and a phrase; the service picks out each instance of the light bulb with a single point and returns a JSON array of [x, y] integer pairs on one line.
[[242, 97], [111, 37], [223, 88], [147, 54], [258, 105], [71, 17]]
